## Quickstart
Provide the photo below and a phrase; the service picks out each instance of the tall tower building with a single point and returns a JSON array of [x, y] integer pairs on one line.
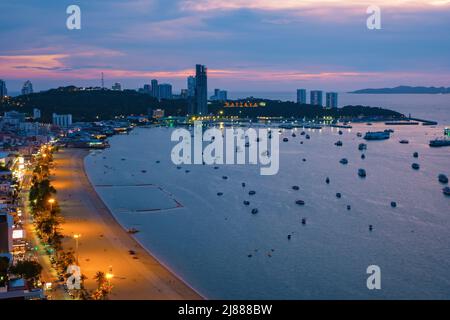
[[316, 98], [165, 91], [3, 90], [301, 96], [191, 86], [155, 89], [332, 100], [27, 88], [201, 89]]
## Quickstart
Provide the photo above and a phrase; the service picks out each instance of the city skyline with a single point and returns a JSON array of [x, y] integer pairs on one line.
[[247, 45]]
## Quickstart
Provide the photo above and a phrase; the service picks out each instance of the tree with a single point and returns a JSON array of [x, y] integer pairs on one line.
[[29, 270], [4, 265]]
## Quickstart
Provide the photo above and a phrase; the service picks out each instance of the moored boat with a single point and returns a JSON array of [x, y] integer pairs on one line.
[[378, 135]]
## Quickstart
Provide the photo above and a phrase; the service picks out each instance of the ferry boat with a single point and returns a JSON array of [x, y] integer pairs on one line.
[[439, 143], [379, 135]]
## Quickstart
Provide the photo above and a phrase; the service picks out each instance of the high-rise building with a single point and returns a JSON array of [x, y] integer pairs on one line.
[[36, 113], [219, 95], [191, 86], [301, 96], [3, 90], [117, 87], [155, 89], [62, 120], [201, 89], [332, 100], [165, 91], [316, 98], [27, 88], [147, 89]]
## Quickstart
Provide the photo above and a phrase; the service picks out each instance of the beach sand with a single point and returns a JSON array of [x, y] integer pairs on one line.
[[104, 244]]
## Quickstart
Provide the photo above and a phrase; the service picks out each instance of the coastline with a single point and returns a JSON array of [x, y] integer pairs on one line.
[[105, 243]]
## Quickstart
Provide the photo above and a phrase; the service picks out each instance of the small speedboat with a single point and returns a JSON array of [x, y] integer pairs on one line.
[[443, 178], [404, 141], [362, 173], [415, 166], [343, 161], [362, 146], [446, 191], [338, 143], [285, 140], [359, 134], [307, 136], [300, 202]]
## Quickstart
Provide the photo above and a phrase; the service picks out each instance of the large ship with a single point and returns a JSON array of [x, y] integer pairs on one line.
[[440, 143], [379, 135]]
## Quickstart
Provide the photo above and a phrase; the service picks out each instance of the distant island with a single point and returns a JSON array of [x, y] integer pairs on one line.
[[405, 90], [96, 104]]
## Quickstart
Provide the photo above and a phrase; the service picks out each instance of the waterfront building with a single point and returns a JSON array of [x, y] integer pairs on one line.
[[184, 93], [201, 89], [27, 88], [13, 118], [158, 113], [3, 90], [301, 96], [219, 95], [117, 86], [316, 98], [155, 89], [332, 100], [62, 120], [165, 91]]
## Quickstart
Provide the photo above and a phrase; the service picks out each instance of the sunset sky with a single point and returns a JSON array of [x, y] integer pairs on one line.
[[248, 45]]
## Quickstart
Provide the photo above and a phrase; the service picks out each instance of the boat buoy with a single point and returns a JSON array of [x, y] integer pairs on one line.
[[327, 180], [303, 221], [289, 237], [363, 156], [243, 184], [349, 208], [370, 227]]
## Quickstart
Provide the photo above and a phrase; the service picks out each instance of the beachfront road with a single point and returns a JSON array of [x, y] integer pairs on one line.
[[104, 245]]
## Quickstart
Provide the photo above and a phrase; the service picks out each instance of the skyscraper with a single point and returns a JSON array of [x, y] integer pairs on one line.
[[316, 98], [3, 90], [201, 89], [332, 100], [220, 95], [147, 89], [27, 88], [155, 89], [191, 86], [165, 91], [301, 96]]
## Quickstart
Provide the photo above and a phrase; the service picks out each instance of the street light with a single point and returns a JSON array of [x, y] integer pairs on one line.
[[76, 237], [51, 201]]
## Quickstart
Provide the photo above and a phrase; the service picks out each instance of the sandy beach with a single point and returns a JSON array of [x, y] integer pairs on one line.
[[104, 243]]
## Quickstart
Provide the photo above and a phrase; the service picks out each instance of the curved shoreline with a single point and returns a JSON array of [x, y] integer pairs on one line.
[[105, 242]]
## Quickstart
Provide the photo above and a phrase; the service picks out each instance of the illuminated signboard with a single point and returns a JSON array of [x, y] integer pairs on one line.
[[17, 234]]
